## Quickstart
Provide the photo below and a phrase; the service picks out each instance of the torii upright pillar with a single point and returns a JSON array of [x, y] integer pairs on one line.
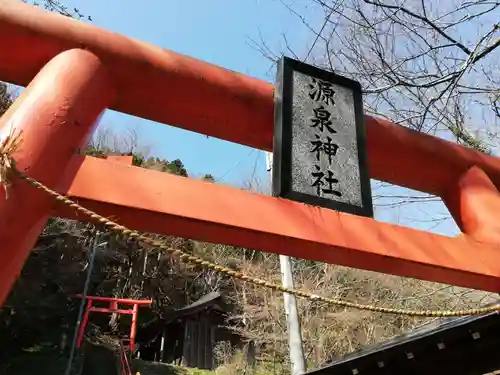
[[56, 113]]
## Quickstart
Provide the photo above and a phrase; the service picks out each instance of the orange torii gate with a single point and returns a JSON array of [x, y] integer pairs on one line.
[[73, 71], [113, 307]]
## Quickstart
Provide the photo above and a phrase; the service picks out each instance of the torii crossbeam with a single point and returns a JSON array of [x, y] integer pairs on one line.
[[73, 71]]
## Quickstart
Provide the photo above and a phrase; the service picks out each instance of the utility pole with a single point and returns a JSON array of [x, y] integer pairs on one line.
[[295, 347], [95, 245]]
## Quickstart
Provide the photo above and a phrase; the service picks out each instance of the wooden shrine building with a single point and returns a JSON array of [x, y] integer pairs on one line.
[[188, 335], [454, 346]]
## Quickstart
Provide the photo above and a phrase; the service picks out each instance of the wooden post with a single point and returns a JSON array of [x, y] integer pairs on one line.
[[81, 329], [133, 327]]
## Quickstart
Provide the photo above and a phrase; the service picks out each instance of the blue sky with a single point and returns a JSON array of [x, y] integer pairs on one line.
[[217, 31]]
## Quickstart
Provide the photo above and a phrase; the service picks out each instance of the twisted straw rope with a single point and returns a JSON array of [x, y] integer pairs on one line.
[[7, 164], [8, 170]]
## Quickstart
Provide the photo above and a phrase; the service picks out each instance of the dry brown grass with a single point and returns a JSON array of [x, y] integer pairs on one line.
[[328, 331]]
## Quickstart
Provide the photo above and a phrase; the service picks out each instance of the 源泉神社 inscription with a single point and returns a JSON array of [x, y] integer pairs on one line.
[[319, 139]]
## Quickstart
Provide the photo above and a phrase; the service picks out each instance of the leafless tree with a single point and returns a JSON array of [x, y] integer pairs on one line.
[[425, 64], [109, 141], [58, 7], [6, 98]]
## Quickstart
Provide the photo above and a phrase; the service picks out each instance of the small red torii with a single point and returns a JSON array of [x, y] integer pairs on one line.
[[113, 308]]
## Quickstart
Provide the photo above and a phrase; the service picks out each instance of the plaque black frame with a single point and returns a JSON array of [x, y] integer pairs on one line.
[[282, 147]]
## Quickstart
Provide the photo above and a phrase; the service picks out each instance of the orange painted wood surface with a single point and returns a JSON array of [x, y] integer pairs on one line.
[[121, 159], [57, 114], [194, 95], [474, 202], [163, 203], [125, 301]]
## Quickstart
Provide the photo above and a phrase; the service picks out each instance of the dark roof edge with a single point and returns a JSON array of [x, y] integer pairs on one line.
[[418, 333]]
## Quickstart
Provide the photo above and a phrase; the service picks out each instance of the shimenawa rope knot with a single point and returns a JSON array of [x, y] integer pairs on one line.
[[8, 147], [8, 169]]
